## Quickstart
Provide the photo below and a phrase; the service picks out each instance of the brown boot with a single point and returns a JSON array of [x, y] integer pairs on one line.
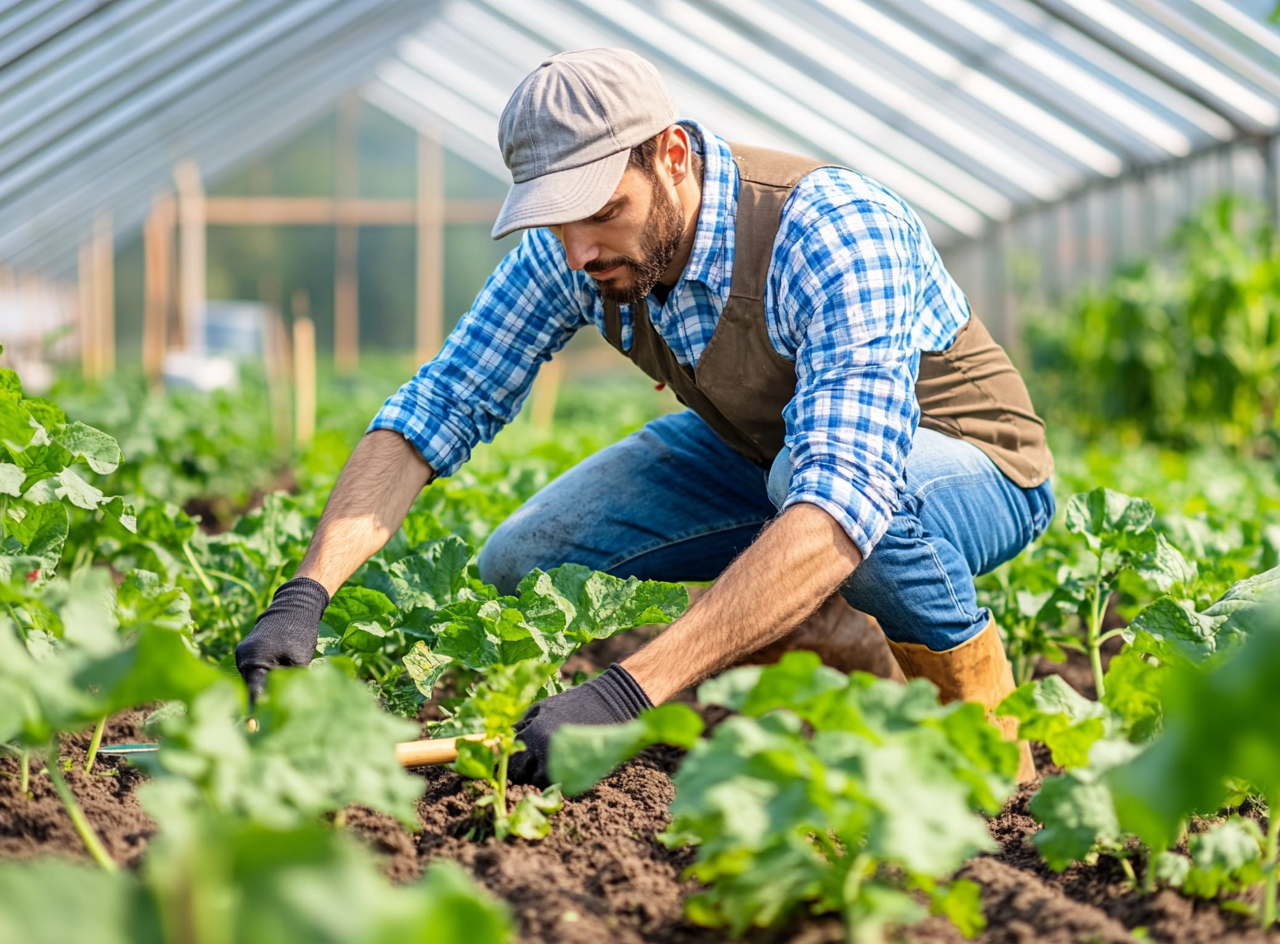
[[843, 638], [976, 670]]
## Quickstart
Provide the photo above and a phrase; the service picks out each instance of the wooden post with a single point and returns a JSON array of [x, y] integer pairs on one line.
[[191, 258], [158, 265], [104, 293], [86, 315], [429, 333], [346, 313], [275, 359], [304, 369], [546, 388]]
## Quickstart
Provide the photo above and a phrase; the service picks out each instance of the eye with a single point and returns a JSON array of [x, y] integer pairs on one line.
[[606, 216]]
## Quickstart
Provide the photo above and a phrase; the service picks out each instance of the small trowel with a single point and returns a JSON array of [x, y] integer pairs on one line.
[[424, 753]]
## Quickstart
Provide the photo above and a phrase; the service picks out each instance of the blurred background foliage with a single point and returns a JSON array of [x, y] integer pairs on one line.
[[1182, 349]]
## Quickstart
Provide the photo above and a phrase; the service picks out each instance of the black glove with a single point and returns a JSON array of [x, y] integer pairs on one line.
[[285, 634], [610, 698]]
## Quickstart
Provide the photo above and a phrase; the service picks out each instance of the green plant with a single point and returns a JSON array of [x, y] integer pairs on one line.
[[1182, 349], [1117, 529], [1219, 726], [839, 793], [494, 706], [212, 879]]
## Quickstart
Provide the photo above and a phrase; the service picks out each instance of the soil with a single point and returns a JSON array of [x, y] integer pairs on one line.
[[602, 876]]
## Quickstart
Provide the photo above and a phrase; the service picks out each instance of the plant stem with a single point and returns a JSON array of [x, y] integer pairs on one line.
[[1093, 630], [195, 565], [24, 770], [1273, 860], [94, 744], [82, 825], [500, 793]]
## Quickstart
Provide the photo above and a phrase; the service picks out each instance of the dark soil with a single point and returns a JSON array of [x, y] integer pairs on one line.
[[602, 876]]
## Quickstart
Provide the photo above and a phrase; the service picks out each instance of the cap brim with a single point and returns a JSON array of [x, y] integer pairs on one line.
[[562, 197]]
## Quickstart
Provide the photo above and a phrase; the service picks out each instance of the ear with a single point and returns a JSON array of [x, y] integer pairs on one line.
[[675, 153]]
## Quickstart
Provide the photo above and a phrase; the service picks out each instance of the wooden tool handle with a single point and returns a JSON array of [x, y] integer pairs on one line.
[[431, 751]]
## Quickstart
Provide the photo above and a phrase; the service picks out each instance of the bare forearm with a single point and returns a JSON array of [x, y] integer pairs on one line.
[[790, 570], [373, 494]]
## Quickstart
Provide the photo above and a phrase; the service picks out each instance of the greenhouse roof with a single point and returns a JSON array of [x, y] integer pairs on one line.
[[971, 109]]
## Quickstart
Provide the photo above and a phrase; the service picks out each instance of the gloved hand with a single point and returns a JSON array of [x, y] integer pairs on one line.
[[285, 634], [610, 698]]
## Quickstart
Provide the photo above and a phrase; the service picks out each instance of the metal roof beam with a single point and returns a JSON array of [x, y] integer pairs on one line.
[[1244, 125]]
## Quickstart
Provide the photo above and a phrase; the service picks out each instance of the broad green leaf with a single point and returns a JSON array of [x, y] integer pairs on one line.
[[1167, 567], [1052, 712], [142, 599], [11, 479], [100, 451], [77, 491], [158, 666], [961, 902], [1077, 818], [39, 531], [1133, 693], [1227, 857], [1219, 724], [501, 697], [1172, 630], [476, 760], [1103, 513], [18, 429], [605, 605], [322, 743], [49, 901], [529, 818], [431, 576], [425, 667], [1240, 604], [358, 605], [582, 755], [365, 636]]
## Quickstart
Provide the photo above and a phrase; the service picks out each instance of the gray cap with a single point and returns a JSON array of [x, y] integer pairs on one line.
[[568, 129]]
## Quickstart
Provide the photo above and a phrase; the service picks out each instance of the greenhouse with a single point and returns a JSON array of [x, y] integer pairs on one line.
[[919, 581]]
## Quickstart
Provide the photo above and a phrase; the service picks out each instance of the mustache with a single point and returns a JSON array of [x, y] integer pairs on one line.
[[604, 265]]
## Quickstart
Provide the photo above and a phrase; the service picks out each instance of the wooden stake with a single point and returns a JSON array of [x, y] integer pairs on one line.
[[88, 321], [346, 299], [158, 264], [274, 363], [104, 294], [191, 259], [546, 388], [304, 369], [429, 333]]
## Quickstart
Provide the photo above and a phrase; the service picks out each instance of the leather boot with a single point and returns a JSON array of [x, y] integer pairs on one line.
[[976, 670], [843, 638]]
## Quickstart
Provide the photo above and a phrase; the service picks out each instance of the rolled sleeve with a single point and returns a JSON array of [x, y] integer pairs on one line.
[[847, 301], [528, 309]]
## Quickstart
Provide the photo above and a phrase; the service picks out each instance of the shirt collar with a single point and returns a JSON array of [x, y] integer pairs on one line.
[[711, 259]]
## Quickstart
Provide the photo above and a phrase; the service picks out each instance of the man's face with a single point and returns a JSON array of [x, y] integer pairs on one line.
[[630, 243]]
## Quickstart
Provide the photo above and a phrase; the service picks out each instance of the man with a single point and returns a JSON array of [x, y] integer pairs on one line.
[[851, 428]]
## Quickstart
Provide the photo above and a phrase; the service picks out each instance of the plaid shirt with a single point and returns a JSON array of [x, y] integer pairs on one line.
[[855, 292]]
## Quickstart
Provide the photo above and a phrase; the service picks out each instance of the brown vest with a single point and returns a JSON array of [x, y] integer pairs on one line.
[[970, 391]]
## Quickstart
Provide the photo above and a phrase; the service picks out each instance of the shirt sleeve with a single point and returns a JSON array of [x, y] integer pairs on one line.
[[528, 309], [845, 294]]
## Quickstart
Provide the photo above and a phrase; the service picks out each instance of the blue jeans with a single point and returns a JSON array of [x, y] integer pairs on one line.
[[673, 502]]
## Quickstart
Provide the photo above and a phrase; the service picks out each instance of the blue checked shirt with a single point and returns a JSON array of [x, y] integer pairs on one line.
[[855, 292]]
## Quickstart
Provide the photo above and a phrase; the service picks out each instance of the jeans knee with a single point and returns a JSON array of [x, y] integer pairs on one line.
[[780, 478], [500, 562]]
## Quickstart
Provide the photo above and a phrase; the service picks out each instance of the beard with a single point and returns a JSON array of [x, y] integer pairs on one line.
[[659, 243]]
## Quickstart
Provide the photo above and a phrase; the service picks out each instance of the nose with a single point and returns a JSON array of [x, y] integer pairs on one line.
[[579, 247]]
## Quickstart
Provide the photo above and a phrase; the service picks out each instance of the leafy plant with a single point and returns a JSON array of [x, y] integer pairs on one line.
[[839, 793], [1181, 349], [1219, 726], [1117, 529], [211, 879], [321, 742], [495, 705]]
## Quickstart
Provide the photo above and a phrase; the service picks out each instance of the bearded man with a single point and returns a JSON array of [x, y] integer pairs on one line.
[[852, 431]]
